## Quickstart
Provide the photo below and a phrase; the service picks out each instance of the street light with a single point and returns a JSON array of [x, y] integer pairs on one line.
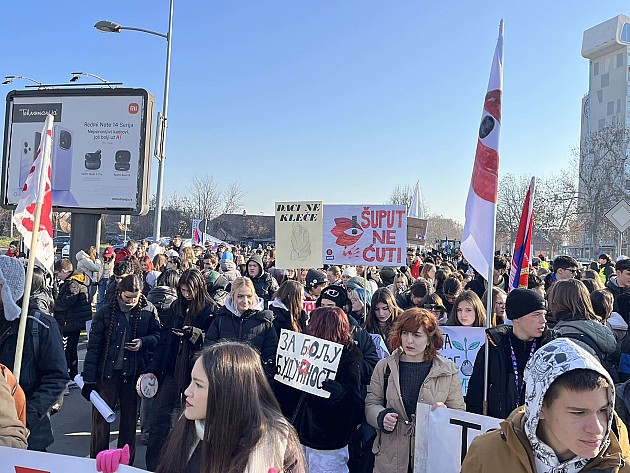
[[9, 79], [77, 75], [110, 27]]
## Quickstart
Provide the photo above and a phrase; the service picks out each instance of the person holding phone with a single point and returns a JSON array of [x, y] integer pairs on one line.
[[123, 332]]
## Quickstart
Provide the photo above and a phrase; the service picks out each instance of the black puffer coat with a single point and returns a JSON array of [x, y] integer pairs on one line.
[[264, 284], [254, 326], [44, 370], [106, 339], [282, 319], [162, 297], [72, 306]]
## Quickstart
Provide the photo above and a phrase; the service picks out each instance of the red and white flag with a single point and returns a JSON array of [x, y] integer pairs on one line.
[[37, 188], [481, 206]]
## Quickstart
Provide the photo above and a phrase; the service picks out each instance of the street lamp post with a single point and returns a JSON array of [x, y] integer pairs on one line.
[[111, 27]]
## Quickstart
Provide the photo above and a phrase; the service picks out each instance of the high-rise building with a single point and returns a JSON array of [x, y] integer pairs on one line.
[[605, 114]]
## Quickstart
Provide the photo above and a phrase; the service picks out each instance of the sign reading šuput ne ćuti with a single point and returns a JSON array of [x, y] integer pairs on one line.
[[305, 362], [374, 235]]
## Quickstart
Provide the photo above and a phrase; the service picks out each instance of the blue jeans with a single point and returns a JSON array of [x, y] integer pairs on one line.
[[102, 285]]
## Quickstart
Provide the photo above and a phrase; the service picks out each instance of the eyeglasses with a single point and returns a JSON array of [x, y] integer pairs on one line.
[[573, 270]]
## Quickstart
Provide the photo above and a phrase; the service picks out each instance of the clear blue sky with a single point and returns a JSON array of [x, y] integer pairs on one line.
[[331, 100]]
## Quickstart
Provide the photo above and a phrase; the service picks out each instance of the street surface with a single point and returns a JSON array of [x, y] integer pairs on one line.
[[72, 425]]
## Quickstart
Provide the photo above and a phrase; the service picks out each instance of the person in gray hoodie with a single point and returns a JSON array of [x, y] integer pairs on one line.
[[567, 424], [264, 283]]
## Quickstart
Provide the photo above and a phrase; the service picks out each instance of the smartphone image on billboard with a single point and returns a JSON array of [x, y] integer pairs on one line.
[[61, 159], [26, 159]]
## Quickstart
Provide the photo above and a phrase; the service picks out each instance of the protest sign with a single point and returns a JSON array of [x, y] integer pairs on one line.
[[461, 345], [304, 362], [15, 460], [443, 437], [381, 348], [416, 230], [298, 235], [309, 306], [374, 235]]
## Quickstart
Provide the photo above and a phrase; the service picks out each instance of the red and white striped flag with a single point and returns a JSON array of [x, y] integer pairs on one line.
[[37, 188], [481, 206]]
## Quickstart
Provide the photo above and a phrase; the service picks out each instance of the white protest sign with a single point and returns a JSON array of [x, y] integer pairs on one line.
[[443, 437], [381, 348], [15, 460], [461, 345], [298, 235], [375, 235], [304, 362]]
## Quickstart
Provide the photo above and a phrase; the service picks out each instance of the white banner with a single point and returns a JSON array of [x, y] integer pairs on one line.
[[461, 345], [374, 235], [304, 362], [443, 437], [298, 235], [14, 460]]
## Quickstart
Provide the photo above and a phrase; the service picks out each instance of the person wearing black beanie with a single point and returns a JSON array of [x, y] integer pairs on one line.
[[510, 348]]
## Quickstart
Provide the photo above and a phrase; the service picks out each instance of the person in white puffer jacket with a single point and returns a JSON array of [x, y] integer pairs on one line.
[[88, 263]]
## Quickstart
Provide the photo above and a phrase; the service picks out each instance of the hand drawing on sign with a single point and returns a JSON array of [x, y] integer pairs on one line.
[[467, 366], [300, 243]]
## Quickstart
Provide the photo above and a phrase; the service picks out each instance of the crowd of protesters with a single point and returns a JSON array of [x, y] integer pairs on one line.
[[206, 322]]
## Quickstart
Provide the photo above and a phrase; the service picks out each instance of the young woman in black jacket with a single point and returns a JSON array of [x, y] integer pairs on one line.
[[122, 335], [181, 339], [287, 308]]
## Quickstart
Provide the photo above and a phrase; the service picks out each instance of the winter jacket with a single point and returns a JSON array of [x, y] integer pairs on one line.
[[508, 449], [171, 346], [44, 371], [394, 450], [12, 432], [89, 267], [324, 423], [516, 447], [218, 290], [621, 296], [72, 306], [282, 317], [162, 297], [110, 330], [264, 283], [403, 300], [253, 326], [121, 254], [229, 271], [502, 397], [596, 338]]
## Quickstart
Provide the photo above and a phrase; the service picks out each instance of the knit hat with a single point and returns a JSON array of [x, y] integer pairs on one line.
[[315, 277], [350, 271], [523, 301], [388, 273], [334, 293], [12, 280], [357, 282]]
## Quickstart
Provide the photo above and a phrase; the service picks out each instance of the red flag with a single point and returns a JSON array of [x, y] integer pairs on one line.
[[523, 244], [479, 228], [36, 189]]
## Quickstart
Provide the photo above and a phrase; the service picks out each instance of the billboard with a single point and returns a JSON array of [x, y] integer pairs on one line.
[[101, 159]]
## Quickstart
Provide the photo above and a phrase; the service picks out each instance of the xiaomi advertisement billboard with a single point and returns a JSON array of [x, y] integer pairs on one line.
[[101, 158]]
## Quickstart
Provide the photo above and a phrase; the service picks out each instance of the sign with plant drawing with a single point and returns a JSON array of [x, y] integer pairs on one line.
[[461, 345]]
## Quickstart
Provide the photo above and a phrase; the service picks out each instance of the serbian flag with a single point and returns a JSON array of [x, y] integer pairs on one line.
[[481, 205], [523, 245], [37, 189]]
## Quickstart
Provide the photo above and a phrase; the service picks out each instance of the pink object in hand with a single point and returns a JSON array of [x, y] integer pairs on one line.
[[273, 470], [107, 461]]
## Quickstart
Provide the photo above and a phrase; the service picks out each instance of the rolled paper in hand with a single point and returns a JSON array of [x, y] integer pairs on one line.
[[98, 402]]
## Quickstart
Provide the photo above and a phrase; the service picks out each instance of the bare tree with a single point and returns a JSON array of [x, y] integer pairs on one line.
[[440, 227], [512, 191], [403, 195], [205, 197], [603, 180], [233, 198]]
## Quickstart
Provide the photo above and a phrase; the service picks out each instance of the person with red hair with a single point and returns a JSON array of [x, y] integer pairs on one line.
[[325, 425], [413, 373]]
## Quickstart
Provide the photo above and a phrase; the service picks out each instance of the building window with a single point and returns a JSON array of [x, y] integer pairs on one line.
[[605, 80], [602, 124], [600, 95], [596, 68], [625, 33], [618, 105], [620, 60], [610, 108]]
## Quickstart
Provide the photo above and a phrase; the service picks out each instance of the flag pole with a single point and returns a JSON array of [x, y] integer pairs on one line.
[[41, 190], [489, 317]]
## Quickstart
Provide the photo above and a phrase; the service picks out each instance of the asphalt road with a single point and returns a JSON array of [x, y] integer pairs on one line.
[[72, 425]]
